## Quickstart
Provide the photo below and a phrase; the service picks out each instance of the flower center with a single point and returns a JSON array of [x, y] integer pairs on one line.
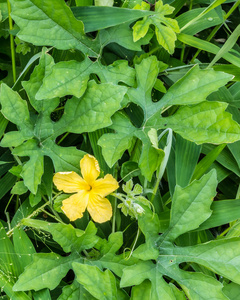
[[89, 188]]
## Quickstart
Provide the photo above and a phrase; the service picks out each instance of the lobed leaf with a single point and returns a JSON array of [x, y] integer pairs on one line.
[[40, 25], [191, 205], [46, 271], [207, 122], [104, 284]]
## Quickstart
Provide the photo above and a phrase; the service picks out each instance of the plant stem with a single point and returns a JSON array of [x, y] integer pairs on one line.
[[215, 30], [36, 212], [12, 43]]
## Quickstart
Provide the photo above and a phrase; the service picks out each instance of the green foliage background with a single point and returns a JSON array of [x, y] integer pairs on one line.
[[151, 89]]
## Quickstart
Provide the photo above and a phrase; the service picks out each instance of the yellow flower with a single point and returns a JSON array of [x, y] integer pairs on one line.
[[90, 192]]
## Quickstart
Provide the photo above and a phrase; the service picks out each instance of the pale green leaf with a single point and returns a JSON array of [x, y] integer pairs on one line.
[[41, 25], [91, 112], [165, 28], [103, 2], [141, 291], [103, 286]]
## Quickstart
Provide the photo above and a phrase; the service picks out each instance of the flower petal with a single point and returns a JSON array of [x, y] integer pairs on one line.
[[105, 186], [69, 182], [89, 168], [99, 208], [75, 205]]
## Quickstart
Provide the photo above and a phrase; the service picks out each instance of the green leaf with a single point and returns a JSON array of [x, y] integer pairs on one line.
[[224, 211], [195, 86], [3, 124], [228, 45], [23, 247], [207, 46], [189, 213], [109, 259], [19, 188], [96, 18], [136, 274], [68, 237], [10, 265], [41, 25], [232, 290], [195, 284], [114, 145], [15, 110], [207, 161], [71, 77], [122, 35], [75, 291], [220, 256], [186, 158], [46, 271], [213, 5], [165, 28], [91, 112], [150, 226], [103, 2], [210, 19], [104, 284], [206, 122]]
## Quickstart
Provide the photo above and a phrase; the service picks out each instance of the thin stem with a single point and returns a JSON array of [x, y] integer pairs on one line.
[[12, 43], [16, 157], [134, 243], [114, 215], [36, 212], [182, 53], [215, 30], [65, 135]]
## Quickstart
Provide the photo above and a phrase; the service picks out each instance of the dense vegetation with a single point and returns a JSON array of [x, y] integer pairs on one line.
[[136, 101]]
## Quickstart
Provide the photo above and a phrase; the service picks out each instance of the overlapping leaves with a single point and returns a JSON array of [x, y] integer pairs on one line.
[[203, 122], [221, 256], [37, 132]]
